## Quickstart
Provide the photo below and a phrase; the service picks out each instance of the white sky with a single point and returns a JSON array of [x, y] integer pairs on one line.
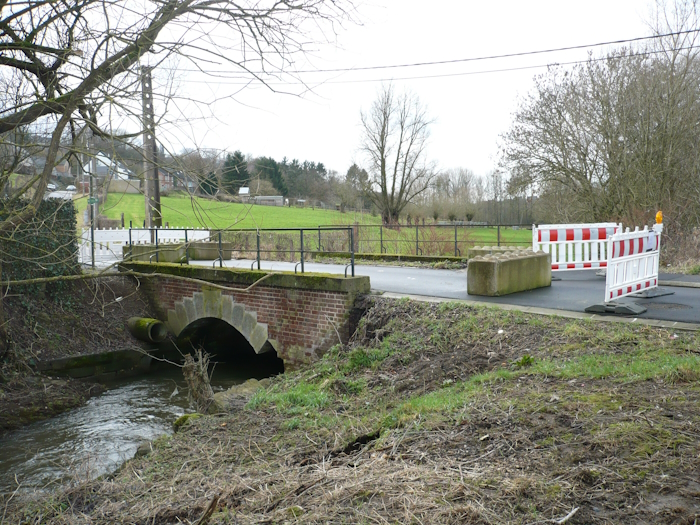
[[471, 111]]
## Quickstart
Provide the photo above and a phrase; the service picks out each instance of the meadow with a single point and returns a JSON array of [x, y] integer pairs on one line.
[[181, 210], [370, 237]]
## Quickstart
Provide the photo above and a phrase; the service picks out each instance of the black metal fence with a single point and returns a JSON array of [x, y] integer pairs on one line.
[[298, 244]]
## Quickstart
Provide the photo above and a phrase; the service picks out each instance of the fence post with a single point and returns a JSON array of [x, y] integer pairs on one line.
[[319, 237], [455, 240], [416, 239], [352, 253], [381, 240], [156, 237], [221, 255], [187, 256], [499, 234], [258, 247], [301, 243]]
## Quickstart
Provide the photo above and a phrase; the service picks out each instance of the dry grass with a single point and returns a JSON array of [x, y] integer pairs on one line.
[[434, 414]]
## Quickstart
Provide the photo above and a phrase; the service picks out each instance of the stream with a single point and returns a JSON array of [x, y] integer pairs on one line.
[[98, 437]]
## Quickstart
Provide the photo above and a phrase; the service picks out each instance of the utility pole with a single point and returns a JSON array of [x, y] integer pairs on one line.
[[91, 197], [150, 153]]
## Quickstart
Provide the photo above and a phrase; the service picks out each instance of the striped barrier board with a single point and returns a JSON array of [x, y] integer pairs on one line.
[[575, 246], [633, 265]]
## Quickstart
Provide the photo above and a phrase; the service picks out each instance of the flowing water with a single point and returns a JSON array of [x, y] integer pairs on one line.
[[98, 437]]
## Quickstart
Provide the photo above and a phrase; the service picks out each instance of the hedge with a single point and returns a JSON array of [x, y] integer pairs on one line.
[[44, 245]]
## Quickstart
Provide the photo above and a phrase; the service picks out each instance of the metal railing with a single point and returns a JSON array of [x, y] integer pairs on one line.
[[297, 245], [269, 243], [434, 239]]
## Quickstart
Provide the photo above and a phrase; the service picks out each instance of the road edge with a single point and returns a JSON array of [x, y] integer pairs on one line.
[[569, 314]]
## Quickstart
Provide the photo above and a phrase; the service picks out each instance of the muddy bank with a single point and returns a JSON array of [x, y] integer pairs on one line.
[[434, 414], [51, 322]]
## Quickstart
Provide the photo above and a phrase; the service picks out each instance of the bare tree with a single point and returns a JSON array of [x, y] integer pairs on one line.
[[71, 66], [396, 131], [611, 140]]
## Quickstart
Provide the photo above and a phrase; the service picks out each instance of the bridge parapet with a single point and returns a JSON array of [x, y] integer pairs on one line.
[[299, 316]]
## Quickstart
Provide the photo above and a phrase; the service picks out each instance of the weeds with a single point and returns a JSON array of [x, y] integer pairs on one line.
[[436, 414]]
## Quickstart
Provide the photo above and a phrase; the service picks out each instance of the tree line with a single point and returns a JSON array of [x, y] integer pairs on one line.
[[615, 138]]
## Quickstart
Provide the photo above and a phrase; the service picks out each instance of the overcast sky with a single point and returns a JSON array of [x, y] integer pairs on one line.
[[471, 106]]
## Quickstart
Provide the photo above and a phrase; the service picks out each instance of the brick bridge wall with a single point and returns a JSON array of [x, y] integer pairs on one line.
[[304, 314]]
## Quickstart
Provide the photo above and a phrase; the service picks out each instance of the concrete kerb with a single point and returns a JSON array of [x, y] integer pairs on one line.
[[679, 284], [568, 314]]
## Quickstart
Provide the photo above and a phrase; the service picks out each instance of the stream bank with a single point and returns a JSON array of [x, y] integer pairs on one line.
[[55, 321], [434, 413]]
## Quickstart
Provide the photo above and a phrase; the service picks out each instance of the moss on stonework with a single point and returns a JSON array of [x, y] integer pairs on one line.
[[308, 281]]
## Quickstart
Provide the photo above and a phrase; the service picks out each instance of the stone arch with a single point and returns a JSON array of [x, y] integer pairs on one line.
[[213, 304]]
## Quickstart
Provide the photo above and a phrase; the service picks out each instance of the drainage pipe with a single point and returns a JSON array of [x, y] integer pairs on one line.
[[146, 329]]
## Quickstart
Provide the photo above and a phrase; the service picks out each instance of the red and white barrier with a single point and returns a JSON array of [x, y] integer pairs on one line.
[[575, 246], [633, 265]]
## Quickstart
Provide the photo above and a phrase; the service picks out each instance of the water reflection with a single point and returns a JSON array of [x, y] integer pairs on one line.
[[96, 438]]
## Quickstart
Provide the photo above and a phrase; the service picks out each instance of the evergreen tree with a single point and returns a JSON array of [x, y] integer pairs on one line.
[[234, 173], [209, 184], [267, 168]]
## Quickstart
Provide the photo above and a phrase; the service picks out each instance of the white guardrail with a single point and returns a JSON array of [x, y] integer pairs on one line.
[[109, 242], [633, 265], [575, 246]]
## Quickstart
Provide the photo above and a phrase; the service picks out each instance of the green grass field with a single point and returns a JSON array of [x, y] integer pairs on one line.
[[183, 211]]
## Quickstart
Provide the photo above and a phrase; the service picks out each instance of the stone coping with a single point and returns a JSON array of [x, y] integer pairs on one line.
[[306, 281]]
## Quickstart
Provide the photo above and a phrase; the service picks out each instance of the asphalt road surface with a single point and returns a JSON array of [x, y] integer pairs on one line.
[[572, 291]]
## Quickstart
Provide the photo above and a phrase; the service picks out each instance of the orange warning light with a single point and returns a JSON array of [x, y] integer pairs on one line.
[[659, 217]]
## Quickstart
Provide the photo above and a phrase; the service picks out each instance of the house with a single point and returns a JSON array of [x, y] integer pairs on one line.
[[62, 170], [184, 181], [104, 167], [166, 179]]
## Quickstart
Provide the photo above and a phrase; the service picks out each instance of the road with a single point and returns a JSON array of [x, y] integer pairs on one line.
[[571, 291]]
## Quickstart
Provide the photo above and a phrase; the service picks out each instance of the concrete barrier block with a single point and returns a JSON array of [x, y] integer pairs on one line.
[[209, 251], [481, 251], [509, 272], [167, 253]]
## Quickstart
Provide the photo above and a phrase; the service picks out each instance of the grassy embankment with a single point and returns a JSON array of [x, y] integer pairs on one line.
[[435, 413]]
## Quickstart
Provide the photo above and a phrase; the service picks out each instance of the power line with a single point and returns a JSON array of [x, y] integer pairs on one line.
[[446, 75], [472, 59]]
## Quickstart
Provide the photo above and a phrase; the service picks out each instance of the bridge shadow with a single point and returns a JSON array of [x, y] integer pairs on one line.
[[229, 349]]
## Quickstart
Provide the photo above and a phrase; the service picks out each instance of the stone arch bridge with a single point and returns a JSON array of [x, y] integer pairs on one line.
[[298, 316]]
